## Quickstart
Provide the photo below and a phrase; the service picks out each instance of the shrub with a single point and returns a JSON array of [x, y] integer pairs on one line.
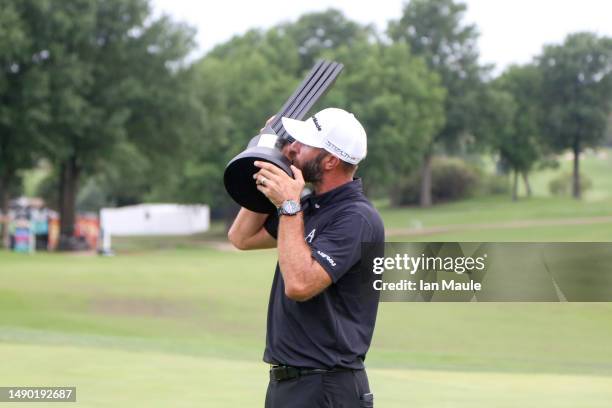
[[562, 184], [451, 179], [494, 184]]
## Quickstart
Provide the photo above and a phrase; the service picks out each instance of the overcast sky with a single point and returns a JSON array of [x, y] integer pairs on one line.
[[512, 31]]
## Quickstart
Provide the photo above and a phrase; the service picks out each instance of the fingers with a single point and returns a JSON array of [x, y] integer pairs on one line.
[[265, 190], [297, 174], [267, 174], [269, 170], [267, 166], [276, 185], [265, 182], [273, 173], [267, 123]]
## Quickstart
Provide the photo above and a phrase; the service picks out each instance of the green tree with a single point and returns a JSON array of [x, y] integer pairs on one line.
[[23, 107], [497, 125], [513, 102], [576, 91], [435, 31], [112, 76], [399, 101], [316, 33]]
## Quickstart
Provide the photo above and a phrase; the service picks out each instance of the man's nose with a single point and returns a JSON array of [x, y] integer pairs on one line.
[[295, 147]]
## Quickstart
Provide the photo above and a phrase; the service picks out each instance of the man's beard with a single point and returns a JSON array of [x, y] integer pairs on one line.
[[312, 171]]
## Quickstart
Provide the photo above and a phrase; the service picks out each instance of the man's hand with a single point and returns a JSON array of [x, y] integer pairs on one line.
[[267, 123], [277, 185]]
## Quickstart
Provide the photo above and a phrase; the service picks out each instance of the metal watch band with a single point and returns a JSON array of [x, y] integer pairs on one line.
[[282, 211]]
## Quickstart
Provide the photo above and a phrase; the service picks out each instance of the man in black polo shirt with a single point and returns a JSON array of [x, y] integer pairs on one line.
[[322, 306]]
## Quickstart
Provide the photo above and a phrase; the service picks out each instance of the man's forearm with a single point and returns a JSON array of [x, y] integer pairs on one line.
[[294, 258], [293, 252], [246, 225]]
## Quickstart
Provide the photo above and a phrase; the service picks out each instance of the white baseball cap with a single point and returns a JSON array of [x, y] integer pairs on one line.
[[334, 130]]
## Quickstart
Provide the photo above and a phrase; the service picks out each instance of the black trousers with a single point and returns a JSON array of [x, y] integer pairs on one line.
[[341, 389]]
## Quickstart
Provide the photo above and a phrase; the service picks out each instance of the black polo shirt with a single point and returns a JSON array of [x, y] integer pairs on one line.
[[333, 329]]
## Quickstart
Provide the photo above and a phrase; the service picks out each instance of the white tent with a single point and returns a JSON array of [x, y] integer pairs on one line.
[[153, 219]]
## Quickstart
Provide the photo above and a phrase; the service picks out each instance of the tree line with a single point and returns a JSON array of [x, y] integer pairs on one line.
[[101, 90]]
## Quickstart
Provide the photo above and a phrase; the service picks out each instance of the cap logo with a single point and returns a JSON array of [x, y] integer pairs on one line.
[[316, 123], [339, 152]]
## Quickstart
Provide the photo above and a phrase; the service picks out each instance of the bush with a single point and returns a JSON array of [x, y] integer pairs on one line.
[[495, 184], [451, 179], [562, 184]]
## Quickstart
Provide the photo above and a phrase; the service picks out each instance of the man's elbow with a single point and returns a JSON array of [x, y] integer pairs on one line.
[[298, 293], [236, 241]]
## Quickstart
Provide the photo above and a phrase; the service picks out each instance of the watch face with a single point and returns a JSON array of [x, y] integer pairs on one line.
[[290, 207]]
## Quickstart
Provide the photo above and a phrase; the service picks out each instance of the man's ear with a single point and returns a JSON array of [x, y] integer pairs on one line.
[[331, 162]]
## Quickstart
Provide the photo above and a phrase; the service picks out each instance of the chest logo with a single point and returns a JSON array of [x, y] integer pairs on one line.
[[310, 236]]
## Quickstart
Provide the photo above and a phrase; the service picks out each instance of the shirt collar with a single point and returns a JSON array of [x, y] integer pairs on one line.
[[352, 189]]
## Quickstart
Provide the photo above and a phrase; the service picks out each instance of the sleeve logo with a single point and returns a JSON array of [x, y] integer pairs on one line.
[[327, 258]]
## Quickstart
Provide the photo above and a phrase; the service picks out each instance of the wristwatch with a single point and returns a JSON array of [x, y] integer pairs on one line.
[[289, 207]]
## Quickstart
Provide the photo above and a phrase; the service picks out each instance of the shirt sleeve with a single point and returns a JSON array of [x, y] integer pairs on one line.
[[271, 225], [338, 247]]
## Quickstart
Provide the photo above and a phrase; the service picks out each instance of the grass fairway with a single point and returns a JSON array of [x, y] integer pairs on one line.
[[119, 378], [178, 324], [186, 328]]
